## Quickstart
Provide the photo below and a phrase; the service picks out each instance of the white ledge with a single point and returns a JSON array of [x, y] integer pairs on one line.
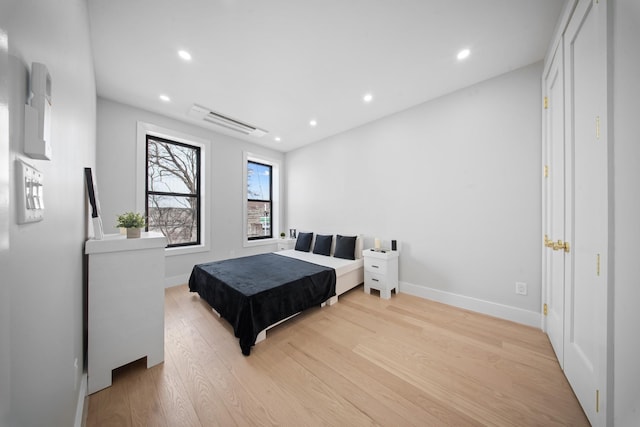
[[119, 243]]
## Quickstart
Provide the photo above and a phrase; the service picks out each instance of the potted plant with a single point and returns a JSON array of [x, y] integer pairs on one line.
[[133, 222], [282, 235]]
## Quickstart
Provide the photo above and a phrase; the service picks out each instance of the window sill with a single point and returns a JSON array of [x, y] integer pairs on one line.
[[260, 242]]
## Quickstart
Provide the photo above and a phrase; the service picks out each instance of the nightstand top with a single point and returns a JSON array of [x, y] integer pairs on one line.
[[387, 254]]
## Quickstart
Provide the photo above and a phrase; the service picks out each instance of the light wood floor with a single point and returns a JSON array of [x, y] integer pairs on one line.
[[363, 361]]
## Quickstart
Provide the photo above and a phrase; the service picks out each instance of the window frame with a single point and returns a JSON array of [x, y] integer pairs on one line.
[[195, 195], [144, 129], [275, 198], [269, 200]]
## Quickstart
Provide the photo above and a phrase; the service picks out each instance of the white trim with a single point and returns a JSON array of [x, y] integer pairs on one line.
[[260, 242], [80, 407], [183, 250], [514, 314], [144, 129], [275, 198], [558, 32]]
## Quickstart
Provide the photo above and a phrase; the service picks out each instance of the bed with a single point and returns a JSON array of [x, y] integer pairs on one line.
[[258, 292]]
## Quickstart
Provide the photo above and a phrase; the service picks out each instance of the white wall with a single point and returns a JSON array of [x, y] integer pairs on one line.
[[455, 180], [45, 271], [116, 175], [626, 140], [5, 303]]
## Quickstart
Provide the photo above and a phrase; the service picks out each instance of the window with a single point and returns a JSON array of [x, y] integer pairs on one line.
[[172, 191], [261, 219], [259, 200]]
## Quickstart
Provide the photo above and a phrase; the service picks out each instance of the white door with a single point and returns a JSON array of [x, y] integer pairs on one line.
[[554, 202], [586, 209]]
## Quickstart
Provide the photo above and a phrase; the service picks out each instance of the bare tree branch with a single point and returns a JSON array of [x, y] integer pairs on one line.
[[175, 216]]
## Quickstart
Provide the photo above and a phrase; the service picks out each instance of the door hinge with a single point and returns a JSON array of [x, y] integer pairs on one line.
[[546, 102], [546, 171], [597, 401], [598, 264], [544, 309]]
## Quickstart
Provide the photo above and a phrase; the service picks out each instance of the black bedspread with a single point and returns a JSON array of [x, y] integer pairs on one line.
[[257, 291]]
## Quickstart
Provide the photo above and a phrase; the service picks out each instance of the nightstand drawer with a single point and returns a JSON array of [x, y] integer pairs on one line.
[[376, 281], [377, 266], [284, 244]]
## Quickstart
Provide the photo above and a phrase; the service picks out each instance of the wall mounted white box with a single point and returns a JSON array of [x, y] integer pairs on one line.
[[37, 116], [125, 304], [30, 193], [34, 146]]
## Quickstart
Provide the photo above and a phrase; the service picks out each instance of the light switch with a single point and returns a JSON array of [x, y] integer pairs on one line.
[[30, 193]]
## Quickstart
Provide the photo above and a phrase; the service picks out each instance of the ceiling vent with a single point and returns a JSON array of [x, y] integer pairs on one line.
[[218, 119]]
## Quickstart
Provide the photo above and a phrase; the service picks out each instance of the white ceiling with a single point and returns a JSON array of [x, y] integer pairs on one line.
[[277, 64]]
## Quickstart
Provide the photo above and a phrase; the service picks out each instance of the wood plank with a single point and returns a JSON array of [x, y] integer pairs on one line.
[[145, 404], [191, 367], [172, 394], [254, 372], [112, 403]]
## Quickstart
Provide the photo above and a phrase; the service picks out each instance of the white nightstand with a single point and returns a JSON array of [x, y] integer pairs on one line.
[[380, 272], [284, 244]]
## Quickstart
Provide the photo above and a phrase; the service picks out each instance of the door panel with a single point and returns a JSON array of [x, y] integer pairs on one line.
[[554, 189], [586, 207]]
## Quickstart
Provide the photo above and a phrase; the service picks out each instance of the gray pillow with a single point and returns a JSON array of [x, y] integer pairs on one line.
[[345, 247], [323, 245], [303, 243]]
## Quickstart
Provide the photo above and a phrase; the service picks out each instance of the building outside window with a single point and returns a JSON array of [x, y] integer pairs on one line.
[[259, 200], [172, 193]]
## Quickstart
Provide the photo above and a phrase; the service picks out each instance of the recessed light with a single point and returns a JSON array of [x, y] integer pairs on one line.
[[464, 53], [368, 97], [184, 55], [277, 139], [165, 98], [313, 123]]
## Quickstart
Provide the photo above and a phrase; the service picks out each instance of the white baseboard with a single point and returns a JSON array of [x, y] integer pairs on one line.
[[176, 280], [518, 315], [82, 394], [514, 314]]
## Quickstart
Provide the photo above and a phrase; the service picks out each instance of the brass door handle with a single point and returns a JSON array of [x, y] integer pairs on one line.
[[556, 246], [560, 245]]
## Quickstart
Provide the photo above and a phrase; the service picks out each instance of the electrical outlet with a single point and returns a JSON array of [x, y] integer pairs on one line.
[[521, 288]]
